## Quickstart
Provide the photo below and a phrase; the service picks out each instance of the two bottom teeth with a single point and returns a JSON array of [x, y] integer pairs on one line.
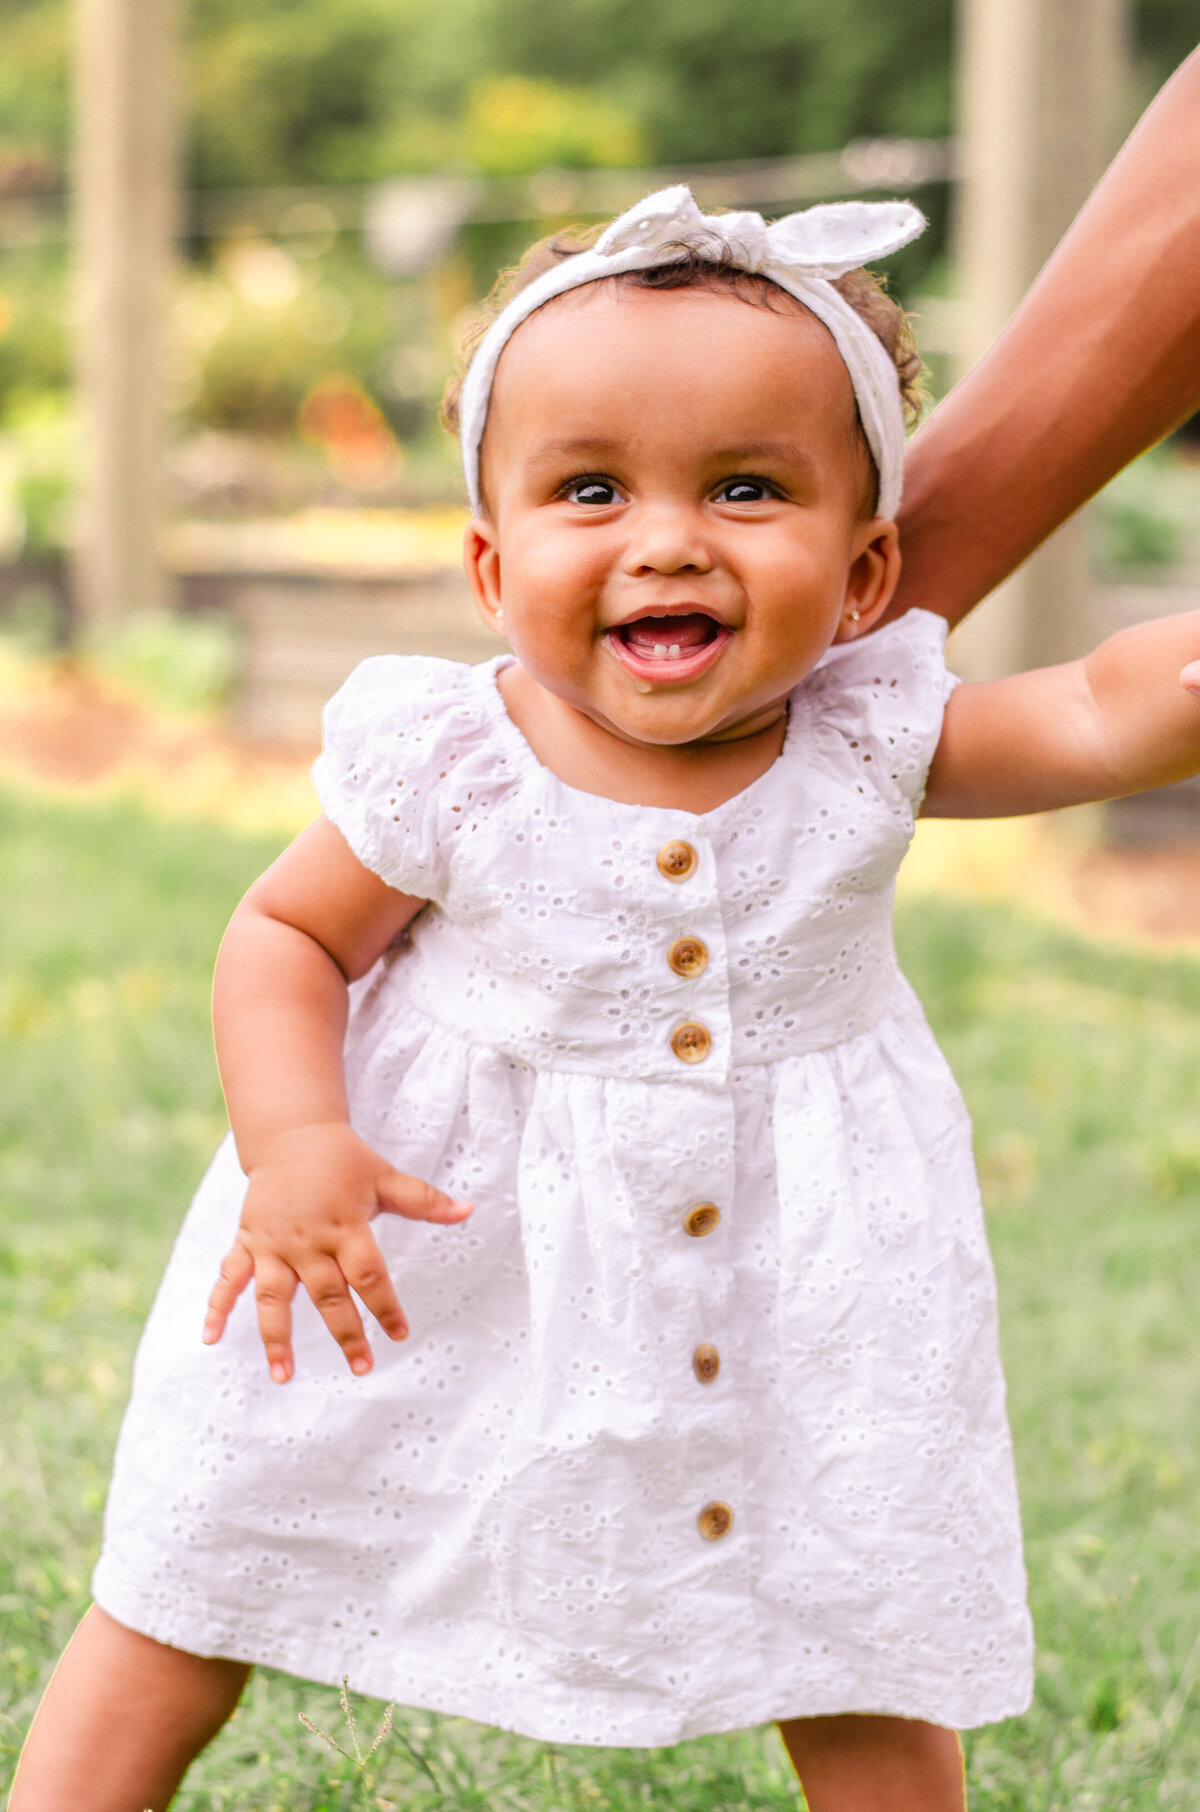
[[663, 653]]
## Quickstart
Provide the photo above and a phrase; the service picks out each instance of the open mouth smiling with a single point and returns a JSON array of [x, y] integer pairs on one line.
[[667, 647]]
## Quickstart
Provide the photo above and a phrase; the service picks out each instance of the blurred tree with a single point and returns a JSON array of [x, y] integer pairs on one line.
[[514, 125], [284, 92], [711, 79], [294, 91], [345, 90], [1165, 32], [350, 90]]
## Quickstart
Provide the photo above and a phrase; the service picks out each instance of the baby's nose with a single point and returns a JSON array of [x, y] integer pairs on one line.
[[667, 539]]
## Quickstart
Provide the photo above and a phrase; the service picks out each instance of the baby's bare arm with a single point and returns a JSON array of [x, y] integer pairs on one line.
[[314, 922], [1120, 721]]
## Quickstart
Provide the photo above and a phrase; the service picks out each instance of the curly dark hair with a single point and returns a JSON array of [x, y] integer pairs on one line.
[[704, 268]]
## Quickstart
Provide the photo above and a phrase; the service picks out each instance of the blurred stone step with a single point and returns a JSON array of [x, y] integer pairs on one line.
[[304, 633], [1170, 814]]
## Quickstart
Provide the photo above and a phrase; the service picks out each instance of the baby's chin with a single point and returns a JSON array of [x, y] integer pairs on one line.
[[662, 721]]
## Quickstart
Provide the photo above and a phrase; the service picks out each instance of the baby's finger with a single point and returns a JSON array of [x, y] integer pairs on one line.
[[365, 1271], [417, 1201], [237, 1268], [1189, 679], [330, 1292], [275, 1285]]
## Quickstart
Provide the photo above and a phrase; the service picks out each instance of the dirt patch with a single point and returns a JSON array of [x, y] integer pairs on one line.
[[76, 728], [65, 728]]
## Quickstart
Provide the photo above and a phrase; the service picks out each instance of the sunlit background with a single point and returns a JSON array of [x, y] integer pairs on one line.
[[240, 244]]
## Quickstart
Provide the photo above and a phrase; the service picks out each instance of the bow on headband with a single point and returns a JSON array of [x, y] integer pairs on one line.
[[825, 241], [800, 253]]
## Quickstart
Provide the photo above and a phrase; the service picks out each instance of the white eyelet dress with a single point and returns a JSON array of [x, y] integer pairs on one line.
[[701, 1419]]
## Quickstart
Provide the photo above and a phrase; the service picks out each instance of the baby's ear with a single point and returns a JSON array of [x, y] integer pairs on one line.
[[481, 558], [872, 578]]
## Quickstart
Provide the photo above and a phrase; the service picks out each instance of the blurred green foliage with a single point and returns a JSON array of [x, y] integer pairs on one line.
[[35, 345], [39, 459], [34, 89], [284, 91], [326, 92], [183, 665], [1145, 518], [258, 322]]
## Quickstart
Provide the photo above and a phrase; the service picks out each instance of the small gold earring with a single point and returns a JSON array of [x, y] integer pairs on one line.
[[854, 615]]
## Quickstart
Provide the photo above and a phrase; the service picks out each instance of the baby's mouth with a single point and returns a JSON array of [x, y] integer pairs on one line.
[[666, 650]]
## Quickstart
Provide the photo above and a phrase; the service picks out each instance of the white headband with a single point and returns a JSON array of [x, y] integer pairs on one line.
[[800, 253]]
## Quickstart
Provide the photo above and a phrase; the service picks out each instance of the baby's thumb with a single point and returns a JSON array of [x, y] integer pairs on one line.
[[1189, 679], [415, 1200]]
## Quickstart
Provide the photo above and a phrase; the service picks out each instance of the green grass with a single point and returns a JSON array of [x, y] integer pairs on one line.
[[1079, 1065]]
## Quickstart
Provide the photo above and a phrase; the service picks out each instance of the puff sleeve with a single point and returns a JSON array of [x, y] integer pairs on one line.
[[393, 737], [884, 698]]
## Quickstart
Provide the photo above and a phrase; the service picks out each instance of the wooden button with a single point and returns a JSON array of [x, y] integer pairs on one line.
[[706, 1363], [714, 1521], [678, 860], [688, 956], [701, 1219], [691, 1042]]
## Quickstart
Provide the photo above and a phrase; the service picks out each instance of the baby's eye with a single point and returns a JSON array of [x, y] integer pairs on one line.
[[744, 490], [599, 492]]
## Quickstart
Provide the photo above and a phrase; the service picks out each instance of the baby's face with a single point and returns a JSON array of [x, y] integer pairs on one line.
[[675, 529]]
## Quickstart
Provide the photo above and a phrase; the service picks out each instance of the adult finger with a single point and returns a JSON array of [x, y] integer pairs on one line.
[[237, 1268], [274, 1286], [417, 1201], [1190, 677], [323, 1280], [367, 1274]]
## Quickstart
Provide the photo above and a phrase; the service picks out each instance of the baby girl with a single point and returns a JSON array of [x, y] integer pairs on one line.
[[575, 1023]]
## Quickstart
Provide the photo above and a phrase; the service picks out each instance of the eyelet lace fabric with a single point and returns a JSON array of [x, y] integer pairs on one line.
[[512, 1517]]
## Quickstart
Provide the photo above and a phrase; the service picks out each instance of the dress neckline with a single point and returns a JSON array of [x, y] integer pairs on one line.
[[521, 751]]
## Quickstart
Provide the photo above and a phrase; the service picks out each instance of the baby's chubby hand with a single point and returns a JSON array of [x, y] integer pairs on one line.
[[312, 1193]]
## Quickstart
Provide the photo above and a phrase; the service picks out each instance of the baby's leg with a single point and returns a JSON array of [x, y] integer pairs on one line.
[[875, 1764], [122, 1719]]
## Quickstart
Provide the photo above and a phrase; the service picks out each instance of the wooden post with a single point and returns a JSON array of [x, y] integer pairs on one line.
[[125, 216], [1040, 92]]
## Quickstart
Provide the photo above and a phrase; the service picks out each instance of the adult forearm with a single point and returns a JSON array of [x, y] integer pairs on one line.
[[1101, 360]]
